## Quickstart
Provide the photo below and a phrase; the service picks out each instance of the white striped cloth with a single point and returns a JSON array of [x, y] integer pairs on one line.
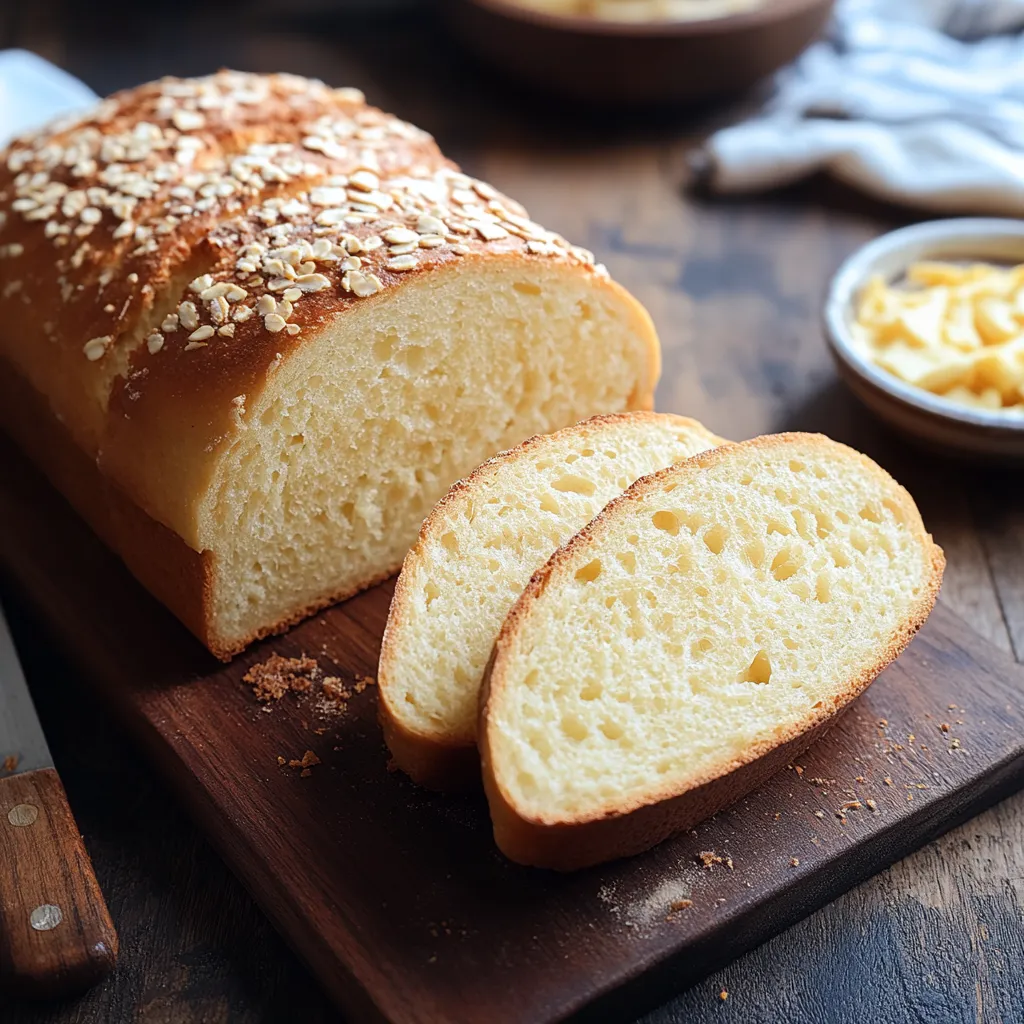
[[915, 101]]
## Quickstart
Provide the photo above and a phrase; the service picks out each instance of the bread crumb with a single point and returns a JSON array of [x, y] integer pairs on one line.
[[872, 806], [10, 762], [954, 744], [281, 760], [794, 862], [819, 814], [334, 689], [308, 760], [944, 727], [680, 905], [305, 773], [708, 858], [273, 678], [851, 805], [887, 780], [336, 692], [723, 995]]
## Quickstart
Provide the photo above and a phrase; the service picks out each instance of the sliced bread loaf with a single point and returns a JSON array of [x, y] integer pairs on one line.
[[694, 638], [253, 328], [476, 553]]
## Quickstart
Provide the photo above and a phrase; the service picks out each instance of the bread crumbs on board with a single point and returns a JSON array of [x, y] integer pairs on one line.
[[305, 763], [273, 678], [277, 676], [708, 858], [336, 691]]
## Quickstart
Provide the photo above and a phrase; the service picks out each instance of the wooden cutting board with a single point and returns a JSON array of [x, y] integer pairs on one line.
[[397, 897]]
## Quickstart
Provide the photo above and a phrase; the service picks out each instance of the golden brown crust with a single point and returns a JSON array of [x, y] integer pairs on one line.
[[636, 825], [451, 763], [99, 217]]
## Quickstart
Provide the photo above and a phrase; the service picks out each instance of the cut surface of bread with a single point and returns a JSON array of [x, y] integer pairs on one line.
[[368, 424], [476, 553], [693, 638]]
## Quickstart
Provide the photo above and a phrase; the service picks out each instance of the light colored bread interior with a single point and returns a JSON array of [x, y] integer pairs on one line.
[[716, 611], [363, 428], [475, 555]]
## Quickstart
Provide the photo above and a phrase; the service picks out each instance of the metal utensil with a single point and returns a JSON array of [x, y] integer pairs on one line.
[[56, 936]]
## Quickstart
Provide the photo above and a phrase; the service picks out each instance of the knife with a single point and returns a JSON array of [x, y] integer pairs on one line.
[[56, 936]]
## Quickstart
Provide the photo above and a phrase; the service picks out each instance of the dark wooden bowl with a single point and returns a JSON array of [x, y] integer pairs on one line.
[[625, 63]]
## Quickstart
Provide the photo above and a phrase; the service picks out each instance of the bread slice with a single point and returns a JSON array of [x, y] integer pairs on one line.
[[474, 556], [694, 638]]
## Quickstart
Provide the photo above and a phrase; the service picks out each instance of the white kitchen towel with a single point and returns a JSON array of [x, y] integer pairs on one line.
[[34, 91], [915, 101]]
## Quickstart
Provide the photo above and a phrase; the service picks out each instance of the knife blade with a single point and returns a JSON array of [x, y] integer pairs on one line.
[[56, 936], [22, 743]]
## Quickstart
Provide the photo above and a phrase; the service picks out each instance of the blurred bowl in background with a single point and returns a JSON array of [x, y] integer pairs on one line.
[[629, 62], [933, 421]]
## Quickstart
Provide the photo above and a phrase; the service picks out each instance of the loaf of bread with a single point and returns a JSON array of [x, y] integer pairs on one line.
[[693, 639], [476, 553], [254, 328]]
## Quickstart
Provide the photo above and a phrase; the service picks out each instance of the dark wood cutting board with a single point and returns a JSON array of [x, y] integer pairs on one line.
[[398, 898]]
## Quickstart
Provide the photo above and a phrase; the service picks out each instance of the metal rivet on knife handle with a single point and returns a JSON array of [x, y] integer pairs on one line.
[[46, 917], [23, 815]]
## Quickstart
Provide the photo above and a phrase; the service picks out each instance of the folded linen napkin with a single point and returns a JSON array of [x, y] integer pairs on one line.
[[915, 101]]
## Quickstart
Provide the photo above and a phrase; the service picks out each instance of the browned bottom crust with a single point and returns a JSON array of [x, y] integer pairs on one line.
[[569, 847], [447, 769]]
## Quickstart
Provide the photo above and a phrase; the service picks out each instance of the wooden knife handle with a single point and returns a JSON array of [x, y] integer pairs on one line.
[[56, 936]]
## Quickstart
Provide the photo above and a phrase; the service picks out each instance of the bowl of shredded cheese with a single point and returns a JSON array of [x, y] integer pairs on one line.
[[629, 52], [927, 327]]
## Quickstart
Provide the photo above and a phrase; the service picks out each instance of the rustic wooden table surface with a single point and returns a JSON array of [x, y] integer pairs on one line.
[[735, 288]]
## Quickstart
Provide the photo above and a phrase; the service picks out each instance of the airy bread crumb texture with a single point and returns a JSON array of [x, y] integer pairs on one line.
[[715, 611], [361, 432], [479, 548]]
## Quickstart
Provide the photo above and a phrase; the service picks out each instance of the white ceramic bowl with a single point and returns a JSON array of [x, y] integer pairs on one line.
[[928, 418]]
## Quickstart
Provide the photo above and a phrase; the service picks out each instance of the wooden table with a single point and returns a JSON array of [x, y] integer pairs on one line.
[[736, 289]]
